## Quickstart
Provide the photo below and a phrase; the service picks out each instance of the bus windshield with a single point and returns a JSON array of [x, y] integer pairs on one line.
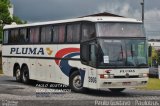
[[120, 29], [122, 53]]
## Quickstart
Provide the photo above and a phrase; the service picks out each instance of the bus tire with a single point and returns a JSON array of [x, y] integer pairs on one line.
[[117, 89], [25, 75], [75, 82], [18, 74]]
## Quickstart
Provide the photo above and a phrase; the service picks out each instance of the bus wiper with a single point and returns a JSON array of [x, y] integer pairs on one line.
[[142, 65], [126, 54], [122, 51], [131, 51]]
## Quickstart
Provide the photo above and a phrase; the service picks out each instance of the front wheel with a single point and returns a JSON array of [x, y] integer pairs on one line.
[[117, 89], [75, 82], [25, 75]]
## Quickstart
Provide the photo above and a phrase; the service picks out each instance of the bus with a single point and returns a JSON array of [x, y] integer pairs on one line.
[[96, 52]]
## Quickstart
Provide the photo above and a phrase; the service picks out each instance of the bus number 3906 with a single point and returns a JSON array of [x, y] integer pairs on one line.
[[92, 79]]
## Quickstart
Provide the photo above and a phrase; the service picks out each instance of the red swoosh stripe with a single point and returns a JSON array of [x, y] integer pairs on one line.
[[65, 51]]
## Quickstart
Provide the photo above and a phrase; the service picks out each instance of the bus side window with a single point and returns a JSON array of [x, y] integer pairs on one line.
[[73, 33], [55, 34], [59, 33], [14, 36], [48, 31], [88, 31], [34, 35], [5, 36], [46, 34], [23, 35]]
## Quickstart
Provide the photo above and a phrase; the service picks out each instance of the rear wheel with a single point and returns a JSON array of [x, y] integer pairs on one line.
[[18, 74], [25, 75], [117, 89], [75, 82]]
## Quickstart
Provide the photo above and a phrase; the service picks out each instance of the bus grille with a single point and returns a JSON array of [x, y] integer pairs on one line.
[[133, 76]]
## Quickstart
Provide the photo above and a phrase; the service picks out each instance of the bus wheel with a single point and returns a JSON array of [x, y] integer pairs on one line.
[[76, 82], [18, 74], [116, 89], [25, 75]]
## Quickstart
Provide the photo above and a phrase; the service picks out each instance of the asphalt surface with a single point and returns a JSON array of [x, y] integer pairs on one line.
[[13, 93]]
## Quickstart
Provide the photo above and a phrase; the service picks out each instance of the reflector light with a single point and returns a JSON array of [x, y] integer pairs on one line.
[[101, 75], [107, 71]]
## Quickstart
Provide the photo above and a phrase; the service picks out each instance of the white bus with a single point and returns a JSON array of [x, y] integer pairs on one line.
[[96, 52]]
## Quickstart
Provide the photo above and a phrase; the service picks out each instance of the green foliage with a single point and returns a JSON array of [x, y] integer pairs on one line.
[[4, 7], [5, 17], [154, 54], [1, 72], [5, 2], [158, 58], [149, 61], [0, 32], [18, 20]]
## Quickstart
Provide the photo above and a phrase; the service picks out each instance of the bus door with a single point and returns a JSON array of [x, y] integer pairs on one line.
[[92, 79], [89, 58]]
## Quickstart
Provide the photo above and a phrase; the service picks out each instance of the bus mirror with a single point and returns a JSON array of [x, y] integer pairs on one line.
[[150, 51]]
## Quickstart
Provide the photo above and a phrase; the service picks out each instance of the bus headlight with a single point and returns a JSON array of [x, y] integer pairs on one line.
[[111, 76], [142, 75], [106, 76]]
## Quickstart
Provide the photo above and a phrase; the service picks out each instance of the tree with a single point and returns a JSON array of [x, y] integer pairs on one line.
[[5, 2], [1, 33], [18, 20], [154, 54], [158, 60], [5, 17], [4, 12]]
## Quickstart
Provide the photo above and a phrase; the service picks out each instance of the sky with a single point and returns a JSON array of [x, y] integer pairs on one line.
[[47, 10]]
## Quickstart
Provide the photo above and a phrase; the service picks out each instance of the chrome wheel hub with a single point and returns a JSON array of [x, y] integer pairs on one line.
[[77, 82], [18, 73]]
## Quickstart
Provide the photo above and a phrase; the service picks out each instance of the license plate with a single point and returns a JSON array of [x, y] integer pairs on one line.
[[126, 83]]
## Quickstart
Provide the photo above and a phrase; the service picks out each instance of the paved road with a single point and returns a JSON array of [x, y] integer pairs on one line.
[[13, 93]]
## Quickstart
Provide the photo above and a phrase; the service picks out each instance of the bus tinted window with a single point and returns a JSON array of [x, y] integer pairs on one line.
[[113, 29], [34, 35], [5, 37], [88, 31], [85, 53], [59, 34], [14, 36], [46, 34], [73, 33], [23, 35]]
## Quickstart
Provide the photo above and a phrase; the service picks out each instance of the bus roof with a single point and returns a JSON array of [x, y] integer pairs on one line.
[[90, 18]]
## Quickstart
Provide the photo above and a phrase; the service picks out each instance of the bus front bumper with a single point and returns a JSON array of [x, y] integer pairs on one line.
[[122, 83]]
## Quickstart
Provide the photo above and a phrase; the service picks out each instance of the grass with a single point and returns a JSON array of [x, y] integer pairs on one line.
[[153, 84], [1, 72]]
